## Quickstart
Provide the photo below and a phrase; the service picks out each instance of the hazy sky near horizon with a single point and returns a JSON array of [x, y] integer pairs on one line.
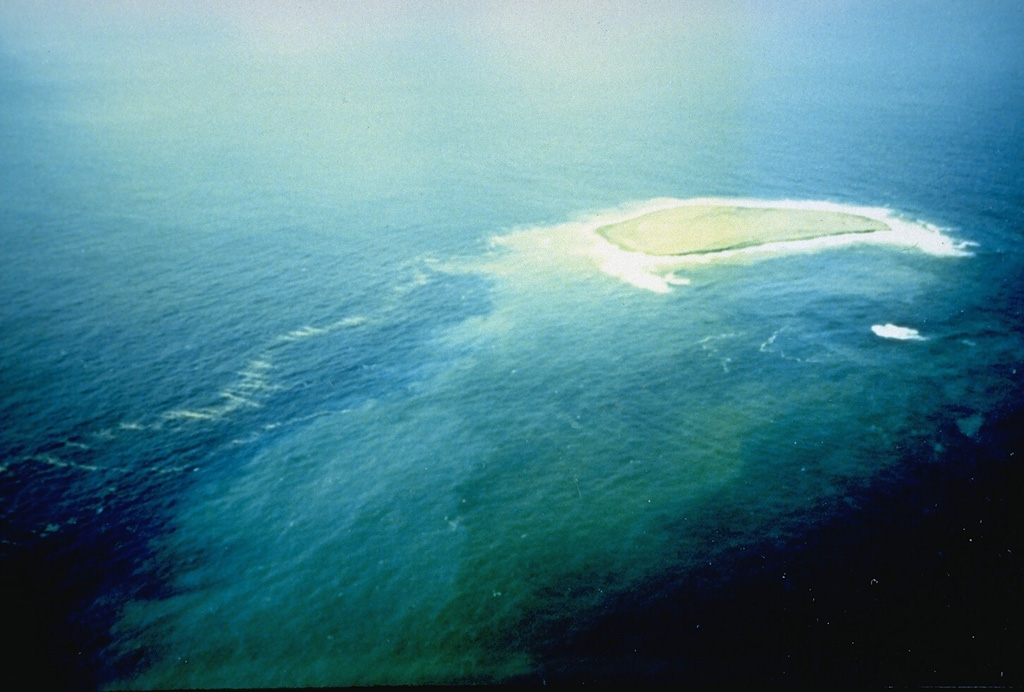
[[571, 40], [369, 83]]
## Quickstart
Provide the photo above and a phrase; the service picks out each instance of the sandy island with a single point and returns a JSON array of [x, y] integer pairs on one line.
[[705, 228], [649, 244]]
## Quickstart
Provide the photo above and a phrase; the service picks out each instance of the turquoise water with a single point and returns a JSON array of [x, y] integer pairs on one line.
[[309, 375]]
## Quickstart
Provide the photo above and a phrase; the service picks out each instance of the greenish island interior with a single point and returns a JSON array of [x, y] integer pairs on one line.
[[694, 229]]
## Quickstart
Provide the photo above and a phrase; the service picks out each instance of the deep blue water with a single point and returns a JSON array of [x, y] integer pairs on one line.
[[301, 385]]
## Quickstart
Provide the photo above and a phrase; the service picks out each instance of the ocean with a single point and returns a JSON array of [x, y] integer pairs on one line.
[[312, 371]]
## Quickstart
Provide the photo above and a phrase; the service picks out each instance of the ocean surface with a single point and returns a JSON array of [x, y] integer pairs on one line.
[[310, 373]]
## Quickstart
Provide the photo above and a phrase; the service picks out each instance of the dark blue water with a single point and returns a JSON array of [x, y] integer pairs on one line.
[[310, 374]]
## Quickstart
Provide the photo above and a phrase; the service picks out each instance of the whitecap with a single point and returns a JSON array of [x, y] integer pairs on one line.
[[892, 331], [303, 333], [353, 321], [189, 414]]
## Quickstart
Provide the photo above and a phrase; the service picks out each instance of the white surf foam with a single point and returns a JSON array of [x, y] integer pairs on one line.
[[190, 414], [892, 331], [303, 333]]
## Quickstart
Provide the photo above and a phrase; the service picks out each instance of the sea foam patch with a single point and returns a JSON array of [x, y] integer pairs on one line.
[[892, 331]]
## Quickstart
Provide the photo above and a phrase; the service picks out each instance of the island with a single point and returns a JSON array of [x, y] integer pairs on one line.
[[707, 228]]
